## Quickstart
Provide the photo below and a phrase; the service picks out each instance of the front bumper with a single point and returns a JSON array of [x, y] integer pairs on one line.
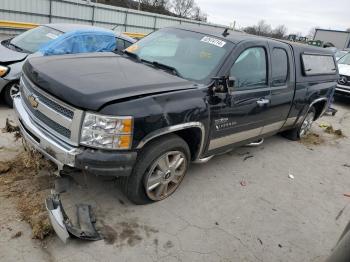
[[98, 162], [343, 90]]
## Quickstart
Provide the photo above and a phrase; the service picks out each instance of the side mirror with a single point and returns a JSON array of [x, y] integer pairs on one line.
[[231, 80]]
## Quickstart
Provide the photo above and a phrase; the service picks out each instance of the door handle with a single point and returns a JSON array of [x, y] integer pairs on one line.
[[263, 101]]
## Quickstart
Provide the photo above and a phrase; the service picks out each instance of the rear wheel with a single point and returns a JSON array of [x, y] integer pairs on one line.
[[10, 90], [303, 129], [160, 169]]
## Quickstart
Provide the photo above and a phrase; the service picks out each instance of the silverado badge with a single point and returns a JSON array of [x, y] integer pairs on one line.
[[33, 101]]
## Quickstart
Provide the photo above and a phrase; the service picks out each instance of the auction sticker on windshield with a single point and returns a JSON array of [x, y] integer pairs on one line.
[[213, 41]]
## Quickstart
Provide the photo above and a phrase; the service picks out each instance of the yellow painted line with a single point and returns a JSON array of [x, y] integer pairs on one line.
[[135, 35], [16, 25]]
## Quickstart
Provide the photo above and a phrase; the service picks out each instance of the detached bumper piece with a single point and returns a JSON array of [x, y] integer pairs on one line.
[[85, 228]]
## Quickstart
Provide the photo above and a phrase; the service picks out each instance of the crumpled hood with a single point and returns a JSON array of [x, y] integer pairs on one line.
[[344, 69], [89, 81], [10, 56]]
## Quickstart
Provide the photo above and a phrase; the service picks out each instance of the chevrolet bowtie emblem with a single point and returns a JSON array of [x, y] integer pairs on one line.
[[33, 100]]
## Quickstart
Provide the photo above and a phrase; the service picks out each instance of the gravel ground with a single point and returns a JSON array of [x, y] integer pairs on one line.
[[241, 206]]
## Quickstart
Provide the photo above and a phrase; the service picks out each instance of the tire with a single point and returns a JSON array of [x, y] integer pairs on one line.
[[147, 170], [9, 90], [300, 131]]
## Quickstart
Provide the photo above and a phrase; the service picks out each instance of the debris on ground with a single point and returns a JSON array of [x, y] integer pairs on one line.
[[4, 167], [243, 183], [328, 128], [247, 157], [346, 165], [17, 235], [340, 213], [290, 175], [347, 194], [28, 188], [312, 139], [260, 241], [10, 127]]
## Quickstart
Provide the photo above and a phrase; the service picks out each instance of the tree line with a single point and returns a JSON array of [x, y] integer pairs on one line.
[[178, 8]]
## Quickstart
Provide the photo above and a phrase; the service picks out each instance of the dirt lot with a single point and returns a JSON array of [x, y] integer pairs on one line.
[[241, 206]]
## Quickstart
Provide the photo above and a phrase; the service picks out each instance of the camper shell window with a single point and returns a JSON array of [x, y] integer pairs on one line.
[[318, 64]]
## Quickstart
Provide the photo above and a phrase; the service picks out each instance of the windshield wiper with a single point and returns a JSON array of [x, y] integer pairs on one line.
[[17, 47], [128, 53], [172, 69]]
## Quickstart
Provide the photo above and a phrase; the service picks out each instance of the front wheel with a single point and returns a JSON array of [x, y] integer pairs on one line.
[[10, 90], [160, 168], [302, 130]]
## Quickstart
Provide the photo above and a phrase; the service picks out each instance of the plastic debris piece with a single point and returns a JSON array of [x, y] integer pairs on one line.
[[243, 183]]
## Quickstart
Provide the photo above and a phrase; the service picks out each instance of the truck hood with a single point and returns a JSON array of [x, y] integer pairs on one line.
[[89, 81], [344, 69], [8, 56]]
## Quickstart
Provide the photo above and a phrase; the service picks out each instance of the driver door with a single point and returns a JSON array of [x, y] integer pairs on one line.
[[240, 116]]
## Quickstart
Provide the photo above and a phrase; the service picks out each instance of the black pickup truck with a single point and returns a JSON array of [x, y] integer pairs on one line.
[[180, 95]]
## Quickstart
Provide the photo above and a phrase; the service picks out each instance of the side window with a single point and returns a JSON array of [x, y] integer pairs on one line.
[[250, 69], [127, 44], [120, 44], [279, 67], [318, 64]]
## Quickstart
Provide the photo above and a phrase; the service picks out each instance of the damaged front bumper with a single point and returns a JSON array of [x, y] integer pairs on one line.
[[60, 153], [97, 162], [64, 228]]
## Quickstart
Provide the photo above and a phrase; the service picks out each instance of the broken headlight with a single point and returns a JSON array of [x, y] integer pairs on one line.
[[107, 132]]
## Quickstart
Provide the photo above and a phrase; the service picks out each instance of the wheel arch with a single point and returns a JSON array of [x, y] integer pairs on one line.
[[320, 106], [192, 132]]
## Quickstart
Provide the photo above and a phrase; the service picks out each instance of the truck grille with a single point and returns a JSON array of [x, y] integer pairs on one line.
[[58, 118]]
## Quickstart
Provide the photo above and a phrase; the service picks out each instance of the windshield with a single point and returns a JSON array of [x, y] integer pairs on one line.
[[340, 54], [345, 60], [192, 55], [31, 40]]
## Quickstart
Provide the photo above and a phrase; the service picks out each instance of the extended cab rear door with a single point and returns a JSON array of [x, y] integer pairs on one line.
[[282, 85]]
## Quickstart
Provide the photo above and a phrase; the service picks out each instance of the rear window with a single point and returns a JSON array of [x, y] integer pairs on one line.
[[317, 64]]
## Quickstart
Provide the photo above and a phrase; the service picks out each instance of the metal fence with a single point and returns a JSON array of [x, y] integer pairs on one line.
[[85, 12]]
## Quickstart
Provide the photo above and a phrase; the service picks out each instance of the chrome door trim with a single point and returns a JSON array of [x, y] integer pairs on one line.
[[174, 128]]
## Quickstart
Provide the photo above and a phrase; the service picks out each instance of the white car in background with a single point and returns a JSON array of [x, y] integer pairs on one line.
[[343, 87]]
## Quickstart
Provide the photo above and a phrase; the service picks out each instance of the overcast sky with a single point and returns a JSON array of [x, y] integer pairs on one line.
[[297, 15]]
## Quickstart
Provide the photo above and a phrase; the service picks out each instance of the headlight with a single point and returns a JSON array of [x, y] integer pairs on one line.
[[108, 132], [4, 70]]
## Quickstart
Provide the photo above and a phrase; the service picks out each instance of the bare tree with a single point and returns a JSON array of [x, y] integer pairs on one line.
[[198, 15], [264, 29], [279, 32], [183, 8]]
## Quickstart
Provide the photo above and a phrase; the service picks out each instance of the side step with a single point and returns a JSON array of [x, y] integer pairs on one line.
[[257, 143]]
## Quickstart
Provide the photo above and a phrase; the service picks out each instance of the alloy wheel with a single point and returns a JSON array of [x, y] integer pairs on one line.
[[165, 175], [307, 123]]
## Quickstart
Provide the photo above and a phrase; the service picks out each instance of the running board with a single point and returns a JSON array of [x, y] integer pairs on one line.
[[203, 160], [257, 143]]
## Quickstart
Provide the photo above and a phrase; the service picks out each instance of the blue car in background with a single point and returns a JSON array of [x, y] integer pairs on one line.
[[52, 39]]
